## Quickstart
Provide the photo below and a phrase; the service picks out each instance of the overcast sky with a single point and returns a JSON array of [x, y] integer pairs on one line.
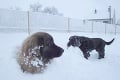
[[70, 8]]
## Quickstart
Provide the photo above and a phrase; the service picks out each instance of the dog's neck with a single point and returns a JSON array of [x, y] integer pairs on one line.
[[77, 42]]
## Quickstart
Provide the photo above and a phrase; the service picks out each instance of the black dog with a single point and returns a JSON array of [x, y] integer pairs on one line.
[[88, 44]]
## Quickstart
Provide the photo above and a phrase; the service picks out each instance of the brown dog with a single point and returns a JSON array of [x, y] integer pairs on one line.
[[88, 44], [36, 51]]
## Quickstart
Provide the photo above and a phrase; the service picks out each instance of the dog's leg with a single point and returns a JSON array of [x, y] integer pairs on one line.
[[101, 53], [88, 54], [85, 55]]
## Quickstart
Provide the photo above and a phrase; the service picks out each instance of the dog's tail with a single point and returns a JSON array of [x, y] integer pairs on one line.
[[108, 43]]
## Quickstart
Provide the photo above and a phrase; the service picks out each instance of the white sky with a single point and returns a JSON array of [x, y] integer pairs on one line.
[[70, 8]]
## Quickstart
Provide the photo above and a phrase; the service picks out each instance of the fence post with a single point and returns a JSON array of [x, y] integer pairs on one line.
[[68, 25], [28, 21], [105, 28], [92, 26], [115, 29]]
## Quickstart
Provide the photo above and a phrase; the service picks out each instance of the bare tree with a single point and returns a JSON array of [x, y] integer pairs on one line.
[[51, 10], [37, 7]]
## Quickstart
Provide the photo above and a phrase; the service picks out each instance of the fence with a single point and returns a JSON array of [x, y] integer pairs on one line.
[[34, 21]]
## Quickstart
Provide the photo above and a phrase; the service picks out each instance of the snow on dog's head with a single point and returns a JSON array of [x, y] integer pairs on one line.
[[36, 51]]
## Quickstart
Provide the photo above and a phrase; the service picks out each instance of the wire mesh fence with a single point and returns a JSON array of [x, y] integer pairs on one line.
[[23, 21]]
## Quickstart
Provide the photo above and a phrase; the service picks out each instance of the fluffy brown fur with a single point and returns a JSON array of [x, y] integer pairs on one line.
[[36, 51]]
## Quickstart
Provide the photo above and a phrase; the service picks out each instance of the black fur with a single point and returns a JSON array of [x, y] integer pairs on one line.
[[88, 44]]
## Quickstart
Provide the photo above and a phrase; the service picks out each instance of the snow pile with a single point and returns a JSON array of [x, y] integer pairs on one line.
[[70, 66]]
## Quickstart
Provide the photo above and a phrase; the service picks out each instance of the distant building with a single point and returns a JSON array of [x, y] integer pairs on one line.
[[103, 16], [102, 20]]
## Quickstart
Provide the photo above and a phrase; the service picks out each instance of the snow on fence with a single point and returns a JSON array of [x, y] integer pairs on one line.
[[11, 20]]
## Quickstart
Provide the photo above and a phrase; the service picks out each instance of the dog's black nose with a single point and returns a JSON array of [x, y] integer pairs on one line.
[[62, 50]]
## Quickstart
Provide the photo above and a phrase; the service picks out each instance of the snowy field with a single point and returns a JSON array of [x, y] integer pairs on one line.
[[70, 66]]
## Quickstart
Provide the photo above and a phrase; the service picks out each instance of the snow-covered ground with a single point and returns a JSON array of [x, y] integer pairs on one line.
[[70, 66]]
